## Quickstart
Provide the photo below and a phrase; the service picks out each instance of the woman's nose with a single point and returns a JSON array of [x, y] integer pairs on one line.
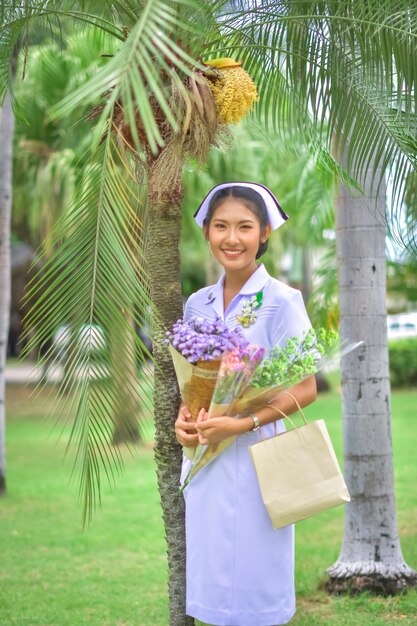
[[232, 236]]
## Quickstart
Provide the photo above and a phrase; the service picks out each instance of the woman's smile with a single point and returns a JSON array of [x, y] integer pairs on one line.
[[231, 253]]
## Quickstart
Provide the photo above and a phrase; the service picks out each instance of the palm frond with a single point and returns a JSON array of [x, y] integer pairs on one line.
[[93, 278], [339, 71], [17, 15], [323, 305], [7, 48], [18, 18], [139, 75], [45, 159]]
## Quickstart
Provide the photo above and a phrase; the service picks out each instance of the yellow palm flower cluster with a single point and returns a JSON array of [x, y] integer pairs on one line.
[[233, 90]]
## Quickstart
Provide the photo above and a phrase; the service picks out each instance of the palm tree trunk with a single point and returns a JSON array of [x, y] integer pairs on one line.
[[371, 555], [6, 161], [163, 259]]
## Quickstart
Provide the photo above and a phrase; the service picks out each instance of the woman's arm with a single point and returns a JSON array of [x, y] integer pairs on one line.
[[216, 429], [305, 393]]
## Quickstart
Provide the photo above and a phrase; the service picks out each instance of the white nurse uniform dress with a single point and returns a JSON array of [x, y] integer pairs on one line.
[[240, 571]]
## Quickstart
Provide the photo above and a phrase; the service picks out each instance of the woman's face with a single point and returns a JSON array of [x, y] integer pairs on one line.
[[234, 234]]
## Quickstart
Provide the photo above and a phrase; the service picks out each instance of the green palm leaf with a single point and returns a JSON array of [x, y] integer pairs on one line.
[[139, 75], [95, 275], [339, 71], [8, 42], [16, 15]]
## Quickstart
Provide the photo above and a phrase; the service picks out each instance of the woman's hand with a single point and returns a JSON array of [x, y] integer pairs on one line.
[[185, 430], [216, 429]]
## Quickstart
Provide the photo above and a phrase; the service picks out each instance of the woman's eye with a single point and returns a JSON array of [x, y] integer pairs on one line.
[[244, 226]]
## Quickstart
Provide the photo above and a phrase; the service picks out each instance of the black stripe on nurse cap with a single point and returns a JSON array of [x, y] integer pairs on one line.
[[276, 215]]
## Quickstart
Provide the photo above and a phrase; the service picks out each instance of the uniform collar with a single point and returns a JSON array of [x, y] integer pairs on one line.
[[255, 283]]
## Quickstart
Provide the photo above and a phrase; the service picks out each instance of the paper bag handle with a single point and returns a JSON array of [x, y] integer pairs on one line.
[[297, 404], [284, 414]]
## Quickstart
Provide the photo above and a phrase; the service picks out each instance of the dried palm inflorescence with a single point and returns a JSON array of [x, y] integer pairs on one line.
[[211, 99], [204, 125], [166, 167], [218, 93]]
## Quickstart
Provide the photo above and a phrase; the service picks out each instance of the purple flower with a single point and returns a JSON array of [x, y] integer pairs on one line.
[[197, 339]]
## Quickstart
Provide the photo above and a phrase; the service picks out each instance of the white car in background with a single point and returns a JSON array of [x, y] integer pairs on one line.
[[402, 326]]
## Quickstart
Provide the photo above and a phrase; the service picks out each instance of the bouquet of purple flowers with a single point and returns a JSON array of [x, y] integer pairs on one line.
[[218, 368], [210, 359], [200, 340]]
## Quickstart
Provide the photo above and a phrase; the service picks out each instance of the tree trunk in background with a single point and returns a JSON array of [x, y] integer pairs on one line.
[[371, 557], [163, 259], [126, 408], [6, 161], [307, 272]]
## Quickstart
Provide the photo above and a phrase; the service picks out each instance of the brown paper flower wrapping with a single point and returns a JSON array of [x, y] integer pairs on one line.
[[199, 390], [196, 381]]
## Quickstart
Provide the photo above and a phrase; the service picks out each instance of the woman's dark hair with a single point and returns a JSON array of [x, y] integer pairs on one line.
[[251, 199]]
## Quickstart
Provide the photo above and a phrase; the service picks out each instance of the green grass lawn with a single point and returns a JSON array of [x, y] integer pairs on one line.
[[114, 573]]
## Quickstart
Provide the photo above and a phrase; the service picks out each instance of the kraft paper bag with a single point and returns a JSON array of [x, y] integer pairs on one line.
[[298, 473]]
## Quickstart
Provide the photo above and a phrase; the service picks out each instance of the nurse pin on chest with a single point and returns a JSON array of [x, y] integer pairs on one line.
[[243, 311]]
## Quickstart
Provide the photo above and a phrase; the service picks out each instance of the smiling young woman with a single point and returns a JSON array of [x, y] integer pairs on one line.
[[235, 234], [240, 570]]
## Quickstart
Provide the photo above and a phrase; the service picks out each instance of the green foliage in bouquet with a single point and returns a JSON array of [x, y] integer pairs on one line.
[[298, 359]]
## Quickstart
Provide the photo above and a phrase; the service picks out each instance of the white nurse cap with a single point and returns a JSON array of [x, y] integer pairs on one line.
[[276, 215]]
